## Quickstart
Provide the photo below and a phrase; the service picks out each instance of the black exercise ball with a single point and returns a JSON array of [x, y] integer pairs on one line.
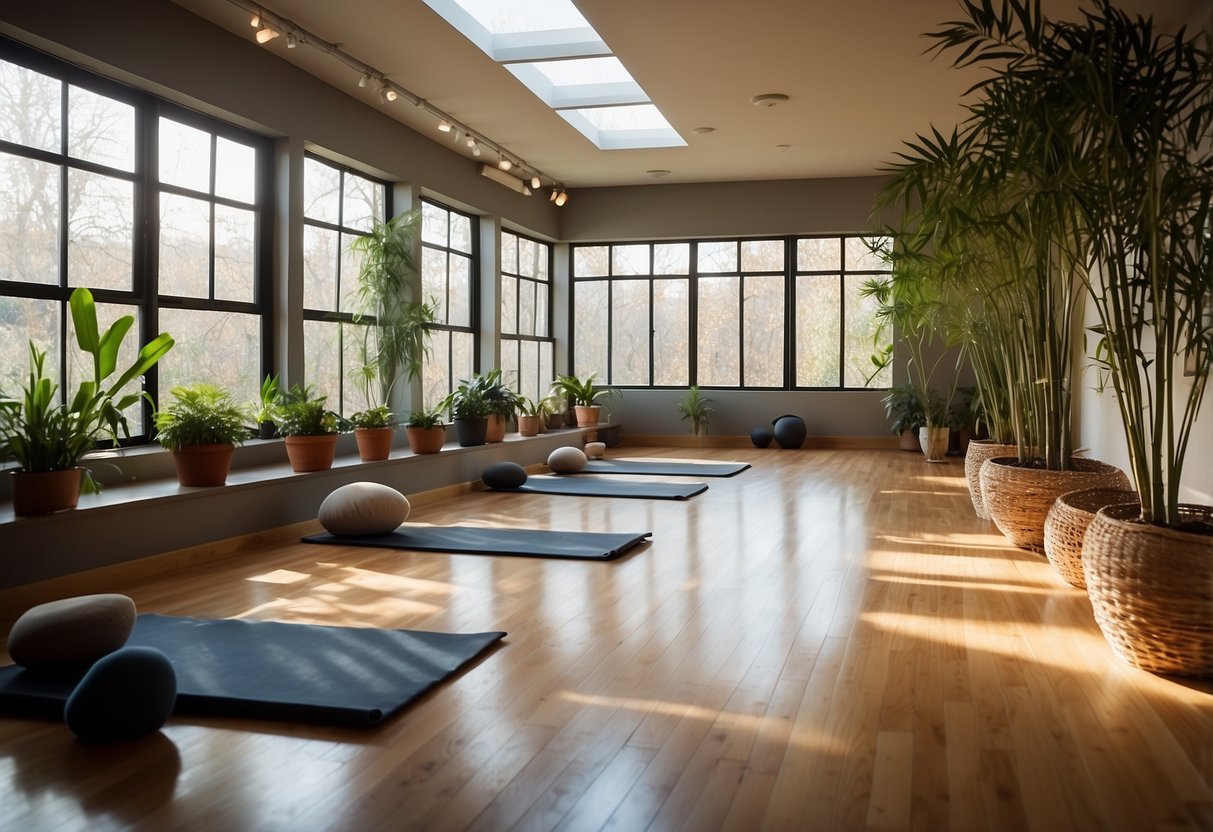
[[761, 437], [790, 431]]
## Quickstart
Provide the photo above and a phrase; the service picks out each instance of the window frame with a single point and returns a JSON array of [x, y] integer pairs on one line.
[[473, 257], [516, 338]]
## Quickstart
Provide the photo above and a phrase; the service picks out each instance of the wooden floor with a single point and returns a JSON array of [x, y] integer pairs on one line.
[[830, 640]]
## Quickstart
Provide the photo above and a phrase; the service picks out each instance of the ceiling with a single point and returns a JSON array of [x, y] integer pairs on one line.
[[854, 70]]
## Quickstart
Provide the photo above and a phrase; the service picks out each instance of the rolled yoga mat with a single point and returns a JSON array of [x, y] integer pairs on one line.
[[535, 543], [663, 467]]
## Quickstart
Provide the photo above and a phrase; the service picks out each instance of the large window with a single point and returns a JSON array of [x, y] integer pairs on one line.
[[339, 206], [449, 264], [758, 313], [157, 210], [526, 294]]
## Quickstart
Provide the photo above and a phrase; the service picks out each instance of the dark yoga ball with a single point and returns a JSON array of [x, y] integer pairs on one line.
[[127, 694], [790, 431], [504, 475], [761, 437]]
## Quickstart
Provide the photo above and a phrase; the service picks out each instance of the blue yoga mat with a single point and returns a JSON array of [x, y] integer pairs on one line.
[[535, 543], [663, 467], [599, 487], [275, 670]]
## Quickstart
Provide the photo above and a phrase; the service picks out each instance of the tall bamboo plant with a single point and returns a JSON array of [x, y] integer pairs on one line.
[[395, 338], [1134, 110]]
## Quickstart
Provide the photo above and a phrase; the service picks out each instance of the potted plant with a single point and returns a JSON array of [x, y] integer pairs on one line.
[[532, 415], [696, 407], [309, 428], [584, 398], [425, 430], [395, 334], [904, 409], [201, 427], [1129, 111], [271, 392], [373, 432], [47, 438], [502, 403], [470, 414]]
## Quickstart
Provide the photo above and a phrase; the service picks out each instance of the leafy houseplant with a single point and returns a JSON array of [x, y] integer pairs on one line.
[[581, 393], [271, 392], [906, 414], [373, 432], [394, 334], [310, 429], [500, 401], [532, 415], [425, 430], [697, 408], [44, 436], [201, 427], [470, 412]]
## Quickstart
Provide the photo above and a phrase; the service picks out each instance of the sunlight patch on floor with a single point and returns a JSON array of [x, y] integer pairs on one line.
[[279, 576]]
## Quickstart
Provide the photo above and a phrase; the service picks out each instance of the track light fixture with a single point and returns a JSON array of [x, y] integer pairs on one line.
[[269, 25], [561, 198]]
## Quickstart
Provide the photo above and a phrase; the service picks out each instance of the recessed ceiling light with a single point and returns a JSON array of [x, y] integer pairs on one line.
[[768, 99], [783, 148], [703, 131], [657, 174]]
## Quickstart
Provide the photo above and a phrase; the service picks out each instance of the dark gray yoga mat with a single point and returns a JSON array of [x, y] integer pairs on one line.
[[275, 670], [663, 467], [598, 487], [538, 543]]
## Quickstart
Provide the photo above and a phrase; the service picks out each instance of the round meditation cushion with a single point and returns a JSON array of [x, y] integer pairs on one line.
[[761, 437], [127, 694], [71, 631], [363, 508], [566, 460], [504, 475], [595, 450], [790, 431]]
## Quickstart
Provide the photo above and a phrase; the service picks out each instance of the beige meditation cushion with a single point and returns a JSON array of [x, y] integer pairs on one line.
[[566, 460], [595, 450], [363, 508], [71, 631]]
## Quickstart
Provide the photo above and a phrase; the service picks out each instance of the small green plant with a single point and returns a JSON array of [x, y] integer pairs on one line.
[[903, 407], [429, 418], [467, 402], [375, 417], [580, 391], [200, 414], [271, 393], [302, 413], [499, 399], [543, 407], [696, 407]]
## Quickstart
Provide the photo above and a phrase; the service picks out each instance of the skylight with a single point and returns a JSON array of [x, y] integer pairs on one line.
[[551, 48]]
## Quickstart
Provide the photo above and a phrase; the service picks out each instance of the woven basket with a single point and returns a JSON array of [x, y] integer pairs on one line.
[[1152, 590], [979, 451], [1019, 498], [1066, 524]]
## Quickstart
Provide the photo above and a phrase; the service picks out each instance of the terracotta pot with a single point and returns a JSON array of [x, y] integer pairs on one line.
[[496, 428], [374, 444], [45, 492], [471, 431], [934, 443], [588, 416], [528, 425], [979, 451], [907, 440], [204, 465], [426, 440], [1019, 497], [1150, 588], [555, 421], [311, 453]]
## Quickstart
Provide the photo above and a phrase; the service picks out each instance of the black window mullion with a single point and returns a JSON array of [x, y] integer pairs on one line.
[[693, 313]]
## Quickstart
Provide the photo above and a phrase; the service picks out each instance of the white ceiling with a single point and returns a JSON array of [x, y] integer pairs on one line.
[[854, 70]]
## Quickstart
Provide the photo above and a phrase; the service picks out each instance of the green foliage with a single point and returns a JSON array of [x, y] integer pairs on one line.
[[696, 407], [301, 413], [374, 417], [395, 338], [904, 409], [200, 414], [42, 435], [582, 391], [430, 418], [499, 399], [530, 407], [271, 392], [467, 402]]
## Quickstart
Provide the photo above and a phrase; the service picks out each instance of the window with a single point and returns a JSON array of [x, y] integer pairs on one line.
[[527, 346], [449, 264], [339, 206], [759, 313], [157, 210]]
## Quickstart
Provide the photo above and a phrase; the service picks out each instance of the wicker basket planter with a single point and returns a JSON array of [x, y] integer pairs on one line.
[[1019, 498], [1151, 589], [1066, 525], [979, 451]]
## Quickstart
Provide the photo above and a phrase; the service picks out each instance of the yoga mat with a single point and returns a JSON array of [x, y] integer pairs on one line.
[[537, 543], [597, 487], [663, 467], [274, 670]]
